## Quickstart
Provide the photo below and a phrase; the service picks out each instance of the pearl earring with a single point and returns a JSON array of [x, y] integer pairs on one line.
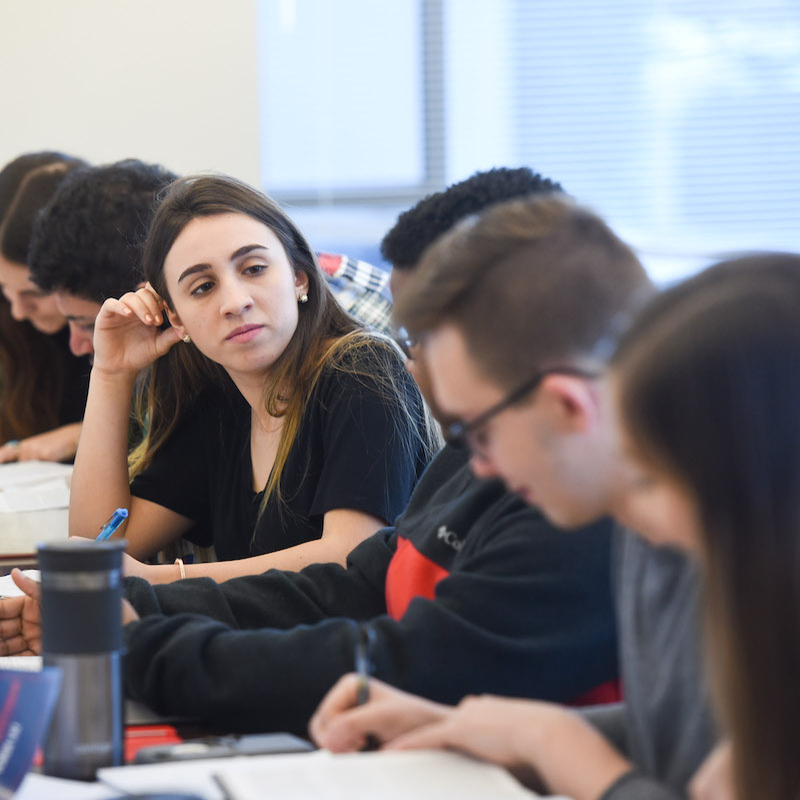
[[186, 338], [303, 298]]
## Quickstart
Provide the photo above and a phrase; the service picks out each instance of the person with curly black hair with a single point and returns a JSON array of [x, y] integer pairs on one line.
[[420, 225], [86, 243]]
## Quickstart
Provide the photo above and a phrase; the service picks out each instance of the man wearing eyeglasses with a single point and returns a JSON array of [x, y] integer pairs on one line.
[[553, 282], [514, 316]]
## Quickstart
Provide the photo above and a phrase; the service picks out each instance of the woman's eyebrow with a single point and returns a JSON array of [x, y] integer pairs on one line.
[[248, 248], [191, 270], [242, 251]]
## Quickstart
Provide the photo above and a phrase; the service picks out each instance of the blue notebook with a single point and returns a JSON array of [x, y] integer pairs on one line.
[[27, 700]]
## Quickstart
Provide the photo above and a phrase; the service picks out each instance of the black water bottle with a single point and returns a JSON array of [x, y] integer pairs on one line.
[[81, 595]]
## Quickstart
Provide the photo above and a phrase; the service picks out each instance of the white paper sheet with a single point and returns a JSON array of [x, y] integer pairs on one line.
[[10, 589], [23, 663], [21, 473], [22, 531], [43, 787], [38, 497], [324, 776], [364, 776]]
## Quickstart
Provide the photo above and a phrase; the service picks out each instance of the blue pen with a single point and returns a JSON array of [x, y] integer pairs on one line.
[[117, 518]]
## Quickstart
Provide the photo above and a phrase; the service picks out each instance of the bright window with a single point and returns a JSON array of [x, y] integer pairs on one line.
[[677, 120]]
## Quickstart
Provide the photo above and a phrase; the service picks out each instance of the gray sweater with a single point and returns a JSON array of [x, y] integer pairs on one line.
[[665, 726]]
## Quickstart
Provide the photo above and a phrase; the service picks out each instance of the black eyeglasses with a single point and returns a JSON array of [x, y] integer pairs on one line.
[[404, 341], [466, 435]]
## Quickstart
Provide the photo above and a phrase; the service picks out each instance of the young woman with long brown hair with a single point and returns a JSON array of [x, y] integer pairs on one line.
[[42, 385], [708, 387], [279, 430]]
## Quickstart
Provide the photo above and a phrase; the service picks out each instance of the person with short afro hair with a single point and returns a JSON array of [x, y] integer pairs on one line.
[[437, 213], [432, 217]]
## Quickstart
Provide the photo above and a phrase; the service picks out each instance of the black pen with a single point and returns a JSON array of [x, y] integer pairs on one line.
[[363, 668]]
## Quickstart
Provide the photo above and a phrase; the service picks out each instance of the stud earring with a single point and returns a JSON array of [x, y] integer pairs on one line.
[[186, 338], [303, 298]]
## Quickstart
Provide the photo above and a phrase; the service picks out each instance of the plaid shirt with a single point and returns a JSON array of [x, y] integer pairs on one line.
[[361, 288]]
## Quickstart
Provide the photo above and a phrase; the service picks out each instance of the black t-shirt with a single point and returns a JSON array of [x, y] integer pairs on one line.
[[352, 450]]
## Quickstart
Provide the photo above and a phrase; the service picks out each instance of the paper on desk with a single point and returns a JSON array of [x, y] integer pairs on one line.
[[324, 776], [24, 663], [10, 589], [21, 473], [43, 787], [391, 776], [37, 497], [175, 776]]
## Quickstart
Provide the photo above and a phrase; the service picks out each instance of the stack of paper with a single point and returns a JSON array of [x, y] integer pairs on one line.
[[420, 774], [324, 776], [43, 787], [34, 486], [21, 663]]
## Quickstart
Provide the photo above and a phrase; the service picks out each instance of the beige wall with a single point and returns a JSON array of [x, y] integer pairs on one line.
[[172, 81]]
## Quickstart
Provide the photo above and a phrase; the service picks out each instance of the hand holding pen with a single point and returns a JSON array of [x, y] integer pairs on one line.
[[366, 635], [345, 721]]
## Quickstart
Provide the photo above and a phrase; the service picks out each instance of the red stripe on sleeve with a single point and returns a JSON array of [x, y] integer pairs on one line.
[[410, 575]]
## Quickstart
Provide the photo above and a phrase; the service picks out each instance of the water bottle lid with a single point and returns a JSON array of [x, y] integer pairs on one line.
[[80, 555]]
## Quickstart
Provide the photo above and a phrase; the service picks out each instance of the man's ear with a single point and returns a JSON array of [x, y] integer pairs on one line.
[[571, 401], [175, 321]]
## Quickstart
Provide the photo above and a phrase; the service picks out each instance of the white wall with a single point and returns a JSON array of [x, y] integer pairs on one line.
[[171, 81]]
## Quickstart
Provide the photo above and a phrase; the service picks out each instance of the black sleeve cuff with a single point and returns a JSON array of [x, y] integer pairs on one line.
[[634, 785], [139, 593]]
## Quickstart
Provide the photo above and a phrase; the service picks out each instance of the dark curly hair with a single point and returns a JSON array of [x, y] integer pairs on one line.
[[87, 240], [436, 214]]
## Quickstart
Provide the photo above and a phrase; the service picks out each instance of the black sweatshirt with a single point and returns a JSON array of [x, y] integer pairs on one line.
[[472, 591]]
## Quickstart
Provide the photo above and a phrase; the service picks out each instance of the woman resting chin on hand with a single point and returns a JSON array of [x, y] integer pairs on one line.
[[279, 430]]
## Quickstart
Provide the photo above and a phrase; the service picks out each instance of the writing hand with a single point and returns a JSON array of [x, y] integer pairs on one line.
[[341, 725], [539, 742], [20, 620]]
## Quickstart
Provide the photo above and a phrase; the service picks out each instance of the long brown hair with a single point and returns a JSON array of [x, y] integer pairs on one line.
[[327, 337], [32, 375], [709, 388], [33, 365]]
